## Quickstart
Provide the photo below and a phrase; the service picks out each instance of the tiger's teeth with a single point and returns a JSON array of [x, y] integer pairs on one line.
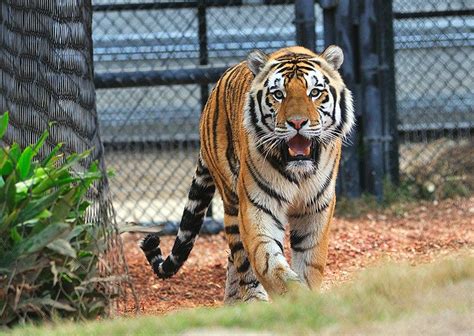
[[307, 152]]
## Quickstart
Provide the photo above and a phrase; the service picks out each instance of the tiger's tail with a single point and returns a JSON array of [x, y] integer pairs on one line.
[[200, 196]]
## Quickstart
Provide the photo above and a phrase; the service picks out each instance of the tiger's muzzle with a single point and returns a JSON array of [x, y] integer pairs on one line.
[[299, 148]]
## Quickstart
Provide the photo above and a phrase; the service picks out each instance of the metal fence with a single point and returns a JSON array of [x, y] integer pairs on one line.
[[434, 58], [149, 111], [150, 130]]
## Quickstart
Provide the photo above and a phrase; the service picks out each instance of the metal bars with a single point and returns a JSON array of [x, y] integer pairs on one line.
[[305, 22], [155, 62]]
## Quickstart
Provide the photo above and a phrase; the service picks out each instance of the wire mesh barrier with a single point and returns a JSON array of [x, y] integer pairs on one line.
[[175, 51], [47, 84], [434, 59], [155, 63]]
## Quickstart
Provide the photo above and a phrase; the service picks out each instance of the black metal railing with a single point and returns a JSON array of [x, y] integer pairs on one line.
[[156, 61]]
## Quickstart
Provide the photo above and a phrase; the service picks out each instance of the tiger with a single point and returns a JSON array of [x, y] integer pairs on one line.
[[271, 136]]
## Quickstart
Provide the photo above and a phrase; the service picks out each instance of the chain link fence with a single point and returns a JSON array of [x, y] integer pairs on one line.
[[434, 58], [150, 129], [151, 132]]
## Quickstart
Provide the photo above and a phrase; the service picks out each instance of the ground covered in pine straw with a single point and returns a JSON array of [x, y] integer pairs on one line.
[[415, 233]]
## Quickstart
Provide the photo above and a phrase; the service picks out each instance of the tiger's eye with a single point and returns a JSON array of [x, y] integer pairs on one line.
[[278, 94], [314, 93]]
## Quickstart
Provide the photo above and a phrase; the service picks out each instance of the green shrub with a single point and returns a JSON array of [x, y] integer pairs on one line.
[[48, 253]]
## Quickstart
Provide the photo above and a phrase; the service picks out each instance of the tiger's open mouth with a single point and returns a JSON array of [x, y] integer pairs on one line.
[[299, 148]]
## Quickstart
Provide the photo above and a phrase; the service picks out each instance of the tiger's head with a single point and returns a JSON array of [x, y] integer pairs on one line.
[[297, 103]]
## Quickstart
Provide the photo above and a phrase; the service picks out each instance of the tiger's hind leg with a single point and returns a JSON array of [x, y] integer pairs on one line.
[[232, 288], [241, 282]]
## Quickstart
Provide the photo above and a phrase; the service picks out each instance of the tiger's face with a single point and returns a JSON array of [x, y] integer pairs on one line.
[[297, 103]]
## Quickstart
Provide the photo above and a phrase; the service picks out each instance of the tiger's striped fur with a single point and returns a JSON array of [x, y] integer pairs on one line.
[[271, 136]]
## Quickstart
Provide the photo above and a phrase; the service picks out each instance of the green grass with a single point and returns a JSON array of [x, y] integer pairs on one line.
[[389, 294], [397, 199], [394, 199]]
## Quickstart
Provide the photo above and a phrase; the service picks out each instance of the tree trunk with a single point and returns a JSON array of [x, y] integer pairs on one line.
[[47, 76]]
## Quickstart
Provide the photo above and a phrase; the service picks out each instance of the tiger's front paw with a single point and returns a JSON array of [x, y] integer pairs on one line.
[[285, 279]]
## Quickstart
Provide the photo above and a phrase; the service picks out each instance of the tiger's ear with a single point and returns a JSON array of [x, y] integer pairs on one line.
[[334, 56], [256, 60]]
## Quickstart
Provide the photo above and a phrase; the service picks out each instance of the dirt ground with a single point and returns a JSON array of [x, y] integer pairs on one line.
[[415, 233]]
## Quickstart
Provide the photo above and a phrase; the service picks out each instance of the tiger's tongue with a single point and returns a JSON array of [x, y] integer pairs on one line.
[[299, 145]]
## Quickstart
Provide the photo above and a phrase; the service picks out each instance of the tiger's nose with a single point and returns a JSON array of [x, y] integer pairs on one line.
[[297, 123]]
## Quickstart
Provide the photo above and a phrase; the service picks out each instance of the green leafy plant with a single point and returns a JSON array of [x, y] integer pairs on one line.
[[48, 252]]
